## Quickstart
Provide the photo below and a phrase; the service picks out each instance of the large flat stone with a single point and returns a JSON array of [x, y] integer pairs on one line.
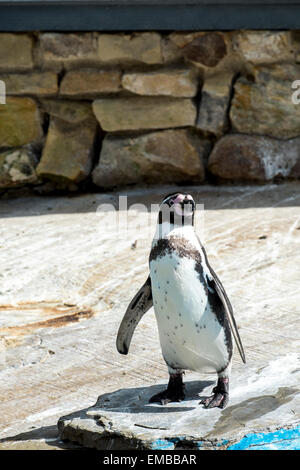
[[63, 300], [90, 83], [157, 157], [135, 113], [181, 83]]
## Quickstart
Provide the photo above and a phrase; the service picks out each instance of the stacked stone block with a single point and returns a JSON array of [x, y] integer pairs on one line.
[[108, 110]]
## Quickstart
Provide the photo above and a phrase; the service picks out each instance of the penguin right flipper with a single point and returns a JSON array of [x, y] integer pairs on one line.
[[139, 305]]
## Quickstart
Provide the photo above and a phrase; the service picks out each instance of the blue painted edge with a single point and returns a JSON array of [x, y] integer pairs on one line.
[[162, 444], [281, 439], [160, 17]]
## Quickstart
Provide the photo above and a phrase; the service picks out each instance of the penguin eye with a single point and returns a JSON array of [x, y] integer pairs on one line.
[[171, 202]]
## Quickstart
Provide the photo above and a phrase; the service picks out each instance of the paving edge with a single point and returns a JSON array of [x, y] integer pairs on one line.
[[279, 439]]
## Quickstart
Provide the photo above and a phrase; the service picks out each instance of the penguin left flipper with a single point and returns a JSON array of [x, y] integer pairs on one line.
[[139, 305]]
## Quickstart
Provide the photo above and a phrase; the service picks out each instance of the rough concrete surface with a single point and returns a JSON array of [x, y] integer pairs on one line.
[[66, 278]]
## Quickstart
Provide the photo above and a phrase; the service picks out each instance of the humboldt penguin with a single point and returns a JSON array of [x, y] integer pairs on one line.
[[194, 315]]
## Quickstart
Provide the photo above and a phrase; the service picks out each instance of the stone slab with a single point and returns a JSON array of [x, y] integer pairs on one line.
[[90, 83], [63, 300], [180, 83], [138, 113]]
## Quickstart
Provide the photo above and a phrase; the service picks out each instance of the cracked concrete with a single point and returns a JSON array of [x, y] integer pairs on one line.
[[65, 282]]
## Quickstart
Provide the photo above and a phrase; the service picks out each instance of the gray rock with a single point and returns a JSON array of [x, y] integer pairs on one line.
[[17, 168], [215, 97], [256, 158]]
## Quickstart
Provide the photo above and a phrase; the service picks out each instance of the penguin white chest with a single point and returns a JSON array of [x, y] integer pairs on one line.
[[190, 335]]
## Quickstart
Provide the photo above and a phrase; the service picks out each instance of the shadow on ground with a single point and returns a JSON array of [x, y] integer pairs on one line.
[[213, 198]]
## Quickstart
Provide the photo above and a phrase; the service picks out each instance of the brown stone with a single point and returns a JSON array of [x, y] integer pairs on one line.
[[208, 49], [16, 52], [19, 122], [265, 106], [177, 83], [68, 150], [134, 113], [254, 158], [142, 48], [90, 83], [157, 157], [32, 83]]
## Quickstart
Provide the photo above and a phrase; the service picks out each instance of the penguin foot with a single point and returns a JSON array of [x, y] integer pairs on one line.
[[220, 396], [174, 392]]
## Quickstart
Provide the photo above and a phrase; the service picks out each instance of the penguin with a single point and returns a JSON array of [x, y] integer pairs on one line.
[[194, 315]]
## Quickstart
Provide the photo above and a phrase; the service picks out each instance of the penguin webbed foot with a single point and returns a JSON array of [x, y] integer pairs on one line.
[[174, 393], [220, 396]]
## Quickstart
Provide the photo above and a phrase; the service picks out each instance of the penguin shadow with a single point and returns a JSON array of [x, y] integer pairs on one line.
[[136, 400]]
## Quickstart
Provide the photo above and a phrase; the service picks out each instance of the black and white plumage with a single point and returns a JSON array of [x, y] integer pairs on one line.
[[194, 316]]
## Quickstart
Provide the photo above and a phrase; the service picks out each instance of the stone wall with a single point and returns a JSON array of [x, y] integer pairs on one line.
[[93, 111]]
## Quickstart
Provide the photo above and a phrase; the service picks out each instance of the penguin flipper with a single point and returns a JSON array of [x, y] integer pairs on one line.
[[215, 284], [139, 305]]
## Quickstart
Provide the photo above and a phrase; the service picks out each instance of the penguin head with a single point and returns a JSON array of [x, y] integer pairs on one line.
[[178, 209]]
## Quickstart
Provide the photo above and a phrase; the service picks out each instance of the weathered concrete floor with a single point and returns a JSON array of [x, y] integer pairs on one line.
[[66, 280]]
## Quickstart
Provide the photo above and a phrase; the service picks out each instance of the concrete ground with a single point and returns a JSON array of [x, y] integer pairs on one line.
[[68, 271]]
